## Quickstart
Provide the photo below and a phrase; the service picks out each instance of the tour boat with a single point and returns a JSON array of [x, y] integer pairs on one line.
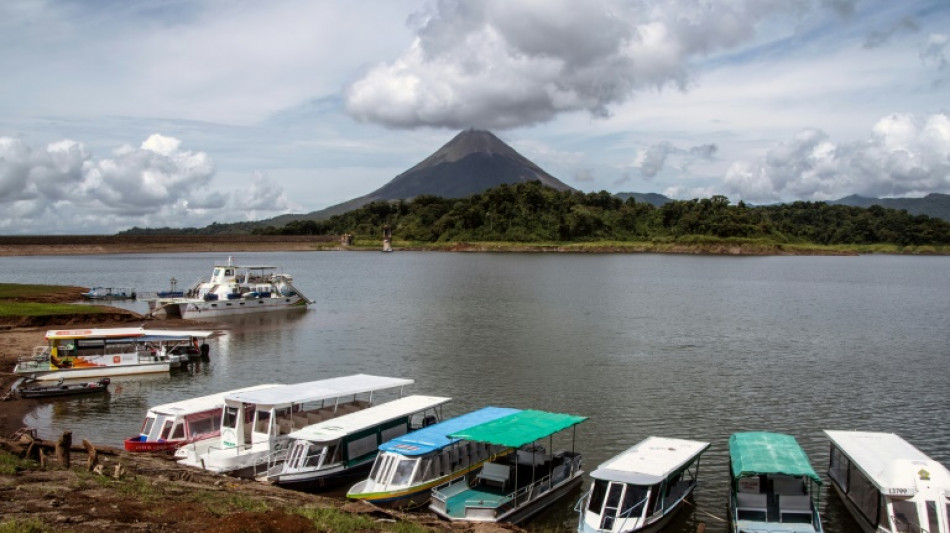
[[64, 389], [257, 423], [328, 453], [887, 484], [233, 290], [98, 352], [513, 486], [641, 488], [407, 467], [169, 426], [773, 486]]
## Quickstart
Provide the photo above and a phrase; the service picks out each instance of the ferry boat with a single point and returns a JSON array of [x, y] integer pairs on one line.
[[887, 484], [255, 424], [641, 488], [233, 290], [101, 352], [109, 293], [328, 453], [170, 426], [773, 486], [515, 485], [407, 467]]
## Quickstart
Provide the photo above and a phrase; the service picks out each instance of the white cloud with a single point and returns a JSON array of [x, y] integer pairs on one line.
[[904, 155], [62, 188], [500, 64]]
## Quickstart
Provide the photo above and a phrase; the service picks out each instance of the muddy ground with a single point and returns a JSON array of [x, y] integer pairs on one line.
[[150, 493]]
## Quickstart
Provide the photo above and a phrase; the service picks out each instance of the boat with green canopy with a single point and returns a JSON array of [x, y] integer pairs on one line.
[[773, 485], [520, 482]]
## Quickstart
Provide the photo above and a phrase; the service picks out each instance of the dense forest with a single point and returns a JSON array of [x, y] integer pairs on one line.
[[530, 212]]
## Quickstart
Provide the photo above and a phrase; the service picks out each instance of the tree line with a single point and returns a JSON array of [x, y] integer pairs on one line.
[[531, 212]]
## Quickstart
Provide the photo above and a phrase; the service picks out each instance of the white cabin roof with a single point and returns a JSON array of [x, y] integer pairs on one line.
[[890, 461], [202, 403], [339, 427], [650, 461], [313, 391]]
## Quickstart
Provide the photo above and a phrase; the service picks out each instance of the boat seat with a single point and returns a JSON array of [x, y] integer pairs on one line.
[[788, 485], [494, 473], [789, 504], [747, 502]]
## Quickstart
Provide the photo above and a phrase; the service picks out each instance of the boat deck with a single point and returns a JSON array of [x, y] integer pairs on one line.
[[480, 496]]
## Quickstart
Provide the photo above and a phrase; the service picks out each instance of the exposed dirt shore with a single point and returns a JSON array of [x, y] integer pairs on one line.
[[119, 244], [152, 493]]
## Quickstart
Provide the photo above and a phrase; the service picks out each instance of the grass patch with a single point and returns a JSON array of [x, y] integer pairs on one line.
[[220, 504], [39, 309], [337, 521], [17, 290], [11, 464], [30, 525]]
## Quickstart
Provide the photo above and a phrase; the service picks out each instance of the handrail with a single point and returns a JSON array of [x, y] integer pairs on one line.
[[915, 527]]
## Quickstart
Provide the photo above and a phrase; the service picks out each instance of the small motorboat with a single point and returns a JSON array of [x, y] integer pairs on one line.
[[64, 389]]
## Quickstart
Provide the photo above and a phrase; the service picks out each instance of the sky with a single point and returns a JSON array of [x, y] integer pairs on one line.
[[181, 113]]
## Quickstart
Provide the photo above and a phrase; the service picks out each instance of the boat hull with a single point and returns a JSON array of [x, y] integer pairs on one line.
[[322, 480], [58, 391], [192, 309], [96, 372], [524, 512], [649, 527]]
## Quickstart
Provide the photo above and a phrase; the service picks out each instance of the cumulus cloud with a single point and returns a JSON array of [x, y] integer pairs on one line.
[[63, 188], [652, 160], [880, 37], [904, 155], [499, 64]]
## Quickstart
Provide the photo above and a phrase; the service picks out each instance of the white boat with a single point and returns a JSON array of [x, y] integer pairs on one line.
[[233, 290], [101, 352], [408, 467], [170, 426], [109, 293], [328, 453], [641, 488], [773, 486], [887, 484], [256, 424], [516, 485]]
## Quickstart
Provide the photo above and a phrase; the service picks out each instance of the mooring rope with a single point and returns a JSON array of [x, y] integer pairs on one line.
[[707, 513]]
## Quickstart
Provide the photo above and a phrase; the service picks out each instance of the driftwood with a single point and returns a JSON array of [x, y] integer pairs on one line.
[[93, 459]]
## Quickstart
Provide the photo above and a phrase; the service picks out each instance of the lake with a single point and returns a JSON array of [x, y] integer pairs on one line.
[[681, 346]]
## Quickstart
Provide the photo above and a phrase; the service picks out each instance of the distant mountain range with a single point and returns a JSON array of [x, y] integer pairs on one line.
[[934, 204]]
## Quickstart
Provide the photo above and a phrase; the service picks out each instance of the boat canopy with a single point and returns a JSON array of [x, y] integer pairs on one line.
[[650, 461], [436, 437], [339, 427], [768, 453], [136, 333], [202, 403], [518, 429], [889, 461], [313, 391]]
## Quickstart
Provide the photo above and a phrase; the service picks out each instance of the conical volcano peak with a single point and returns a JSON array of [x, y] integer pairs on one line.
[[470, 142]]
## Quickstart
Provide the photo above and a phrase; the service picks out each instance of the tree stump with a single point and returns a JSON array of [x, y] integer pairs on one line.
[[93, 455], [63, 445]]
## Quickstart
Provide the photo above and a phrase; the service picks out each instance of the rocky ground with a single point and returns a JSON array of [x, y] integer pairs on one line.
[[120, 491]]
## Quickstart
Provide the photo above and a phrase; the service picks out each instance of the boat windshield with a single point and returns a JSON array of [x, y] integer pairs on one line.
[[230, 417], [905, 516], [403, 472], [617, 501], [147, 427]]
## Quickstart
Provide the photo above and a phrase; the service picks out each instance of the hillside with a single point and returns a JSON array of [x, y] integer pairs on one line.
[[934, 204]]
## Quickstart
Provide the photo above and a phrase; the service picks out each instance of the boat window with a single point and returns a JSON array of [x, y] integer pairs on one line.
[[597, 495], [905, 516], [230, 417], [203, 426], [932, 516], [403, 473], [375, 469], [863, 494], [263, 420], [166, 430], [838, 468], [179, 431], [633, 501], [422, 473], [315, 455], [147, 427], [362, 446]]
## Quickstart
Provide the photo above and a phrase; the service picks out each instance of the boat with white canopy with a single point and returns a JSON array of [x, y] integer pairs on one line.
[[641, 488], [330, 452], [257, 423], [518, 484], [408, 467], [170, 426], [773, 485], [887, 484]]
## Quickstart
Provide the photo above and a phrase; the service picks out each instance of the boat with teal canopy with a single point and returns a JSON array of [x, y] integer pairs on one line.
[[515, 485], [773, 485]]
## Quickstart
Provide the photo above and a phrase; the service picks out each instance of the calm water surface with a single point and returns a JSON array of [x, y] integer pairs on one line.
[[681, 346]]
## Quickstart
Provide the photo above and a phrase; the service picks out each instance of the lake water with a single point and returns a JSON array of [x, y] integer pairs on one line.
[[682, 346]]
